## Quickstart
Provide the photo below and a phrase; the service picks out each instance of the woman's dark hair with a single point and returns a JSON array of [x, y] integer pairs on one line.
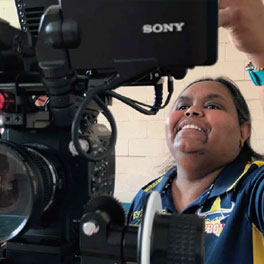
[[247, 154]]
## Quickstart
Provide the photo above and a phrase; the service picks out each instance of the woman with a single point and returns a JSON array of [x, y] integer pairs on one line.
[[216, 173]]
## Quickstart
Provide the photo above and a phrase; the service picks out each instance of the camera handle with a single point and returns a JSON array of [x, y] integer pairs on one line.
[[58, 76]]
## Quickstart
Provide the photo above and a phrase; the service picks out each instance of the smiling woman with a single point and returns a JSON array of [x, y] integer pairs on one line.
[[207, 105], [215, 173], [217, 101]]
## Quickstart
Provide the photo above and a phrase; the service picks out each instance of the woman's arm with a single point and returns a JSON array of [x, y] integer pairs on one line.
[[244, 20]]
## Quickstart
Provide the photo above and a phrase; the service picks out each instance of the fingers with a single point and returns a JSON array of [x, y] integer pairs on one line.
[[221, 4], [224, 3], [237, 3], [224, 13], [224, 18]]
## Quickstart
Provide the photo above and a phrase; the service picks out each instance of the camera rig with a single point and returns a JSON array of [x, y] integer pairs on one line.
[[57, 164]]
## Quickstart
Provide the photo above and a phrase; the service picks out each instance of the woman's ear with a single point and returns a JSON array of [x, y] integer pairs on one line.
[[245, 131]]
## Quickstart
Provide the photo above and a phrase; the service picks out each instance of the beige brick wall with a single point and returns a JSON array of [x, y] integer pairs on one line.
[[8, 12], [141, 147]]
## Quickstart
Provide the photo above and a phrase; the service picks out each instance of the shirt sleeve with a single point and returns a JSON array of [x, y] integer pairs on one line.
[[136, 208], [256, 200]]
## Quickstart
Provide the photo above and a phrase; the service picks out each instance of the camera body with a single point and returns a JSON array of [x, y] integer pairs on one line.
[[59, 200], [47, 189]]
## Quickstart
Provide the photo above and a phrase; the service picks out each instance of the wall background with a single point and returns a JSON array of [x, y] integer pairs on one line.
[[141, 147]]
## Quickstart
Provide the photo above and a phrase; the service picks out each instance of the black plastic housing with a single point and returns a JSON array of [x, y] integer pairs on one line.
[[112, 35]]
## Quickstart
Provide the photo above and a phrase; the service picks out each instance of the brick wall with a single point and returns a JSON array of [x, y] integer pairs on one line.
[[8, 12], [141, 148]]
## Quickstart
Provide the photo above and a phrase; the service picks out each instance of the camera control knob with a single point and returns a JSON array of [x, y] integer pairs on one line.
[[90, 228], [84, 145]]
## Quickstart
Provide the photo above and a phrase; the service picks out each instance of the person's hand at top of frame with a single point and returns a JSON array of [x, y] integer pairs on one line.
[[244, 19]]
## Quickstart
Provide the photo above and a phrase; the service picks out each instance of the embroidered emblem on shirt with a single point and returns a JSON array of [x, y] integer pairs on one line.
[[215, 216], [137, 214], [214, 226]]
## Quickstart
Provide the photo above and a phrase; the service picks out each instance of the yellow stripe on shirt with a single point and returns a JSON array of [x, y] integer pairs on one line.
[[258, 245]]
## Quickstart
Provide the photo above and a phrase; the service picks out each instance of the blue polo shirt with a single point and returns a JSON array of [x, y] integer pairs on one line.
[[233, 208]]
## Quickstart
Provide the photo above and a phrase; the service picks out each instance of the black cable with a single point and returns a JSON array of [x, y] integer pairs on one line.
[[130, 103], [158, 95], [110, 118], [170, 91], [158, 99], [137, 102], [92, 95], [106, 89]]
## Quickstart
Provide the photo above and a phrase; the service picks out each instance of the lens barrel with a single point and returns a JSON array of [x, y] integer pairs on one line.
[[28, 182]]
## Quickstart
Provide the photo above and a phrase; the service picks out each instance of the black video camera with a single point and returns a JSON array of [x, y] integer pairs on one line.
[[57, 163]]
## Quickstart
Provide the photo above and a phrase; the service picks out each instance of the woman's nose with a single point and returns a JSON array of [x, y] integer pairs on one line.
[[194, 111]]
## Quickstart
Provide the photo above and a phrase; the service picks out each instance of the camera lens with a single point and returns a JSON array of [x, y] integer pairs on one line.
[[27, 187], [15, 194]]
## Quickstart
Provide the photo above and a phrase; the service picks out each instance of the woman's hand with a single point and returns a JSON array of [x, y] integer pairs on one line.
[[244, 19]]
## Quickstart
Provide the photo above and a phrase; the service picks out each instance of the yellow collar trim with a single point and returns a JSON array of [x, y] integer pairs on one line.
[[258, 163]]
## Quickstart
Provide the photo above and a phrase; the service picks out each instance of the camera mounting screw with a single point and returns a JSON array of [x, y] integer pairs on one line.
[[90, 228]]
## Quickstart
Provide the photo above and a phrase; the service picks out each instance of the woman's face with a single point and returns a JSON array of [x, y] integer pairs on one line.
[[204, 121]]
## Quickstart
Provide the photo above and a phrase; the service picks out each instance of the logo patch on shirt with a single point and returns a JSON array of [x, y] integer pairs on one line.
[[137, 214], [215, 216], [214, 226]]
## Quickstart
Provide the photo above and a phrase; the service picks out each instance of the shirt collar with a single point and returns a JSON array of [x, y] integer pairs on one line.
[[226, 181], [228, 178], [165, 182]]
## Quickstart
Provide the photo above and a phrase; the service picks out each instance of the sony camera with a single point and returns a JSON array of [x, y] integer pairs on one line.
[[57, 75]]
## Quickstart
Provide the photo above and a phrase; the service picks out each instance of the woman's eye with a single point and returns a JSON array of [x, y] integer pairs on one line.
[[212, 106], [182, 107]]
